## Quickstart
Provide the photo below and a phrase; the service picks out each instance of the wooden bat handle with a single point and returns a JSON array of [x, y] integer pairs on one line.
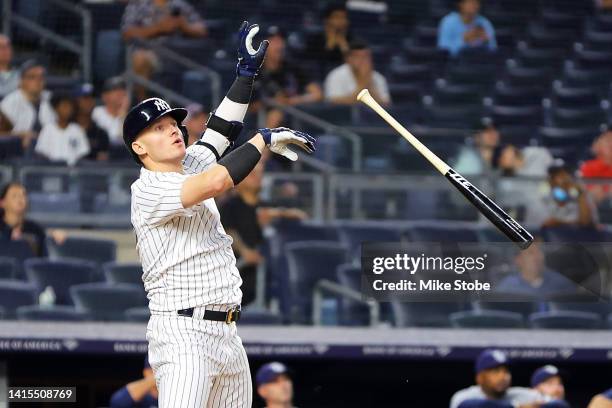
[[365, 97]]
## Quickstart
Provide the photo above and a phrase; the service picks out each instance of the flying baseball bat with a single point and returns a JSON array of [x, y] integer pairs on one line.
[[506, 224]]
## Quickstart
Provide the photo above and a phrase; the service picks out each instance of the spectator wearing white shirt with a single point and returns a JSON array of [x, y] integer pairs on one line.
[[109, 116], [344, 82], [26, 110], [9, 76], [64, 140]]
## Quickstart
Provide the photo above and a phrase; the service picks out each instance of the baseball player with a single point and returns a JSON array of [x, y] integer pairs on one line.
[[189, 269]]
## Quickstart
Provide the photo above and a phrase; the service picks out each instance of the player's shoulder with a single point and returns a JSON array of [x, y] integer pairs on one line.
[[523, 392], [473, 391]]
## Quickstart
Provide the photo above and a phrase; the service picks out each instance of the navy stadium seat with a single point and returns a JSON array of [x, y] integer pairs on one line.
[[9, 268], [2, 312], [516, 115], [16, 249], [10, 147], [14, 294], [107, 302], [578, 117], [309, 262], [41, 202], [137, 314], [565, 320], [97, 250], [351, 313], [509, 302], [442, 234], [424, 314], [353, 236], [596, 60], [60, 275], [490, 319], [52, 313], [123, 272], [577, 98], [509, 95], [581, 303], [108, 57], [567, 137]]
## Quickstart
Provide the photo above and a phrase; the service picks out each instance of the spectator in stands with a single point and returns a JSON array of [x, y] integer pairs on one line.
[[532, 277], [530, 161], [283, 81], [26, 110], [548, 382], [465, 29], [479, 158], [344, 82], [15, 226], [244, 217], [274, 385], [329, 46], [156, 21], [603, 400], [140, 393], [9, 76], [568, 203], [96, 136], [195, 122], [600, 166], [63, 140], [109, 116], [493, 381], [604, 5]]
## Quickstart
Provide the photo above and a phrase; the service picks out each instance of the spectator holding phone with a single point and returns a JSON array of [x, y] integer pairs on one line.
[[466, 28]]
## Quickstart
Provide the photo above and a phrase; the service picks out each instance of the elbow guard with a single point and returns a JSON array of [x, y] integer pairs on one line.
[[240, 162]]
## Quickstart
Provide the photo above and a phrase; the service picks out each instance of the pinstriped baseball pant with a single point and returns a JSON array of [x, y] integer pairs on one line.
[[198, 363]]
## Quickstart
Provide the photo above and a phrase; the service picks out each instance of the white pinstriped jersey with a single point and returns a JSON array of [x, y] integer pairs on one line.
[[186, 255]]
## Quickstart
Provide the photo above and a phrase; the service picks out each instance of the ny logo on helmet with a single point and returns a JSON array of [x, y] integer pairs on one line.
[[161, 105]]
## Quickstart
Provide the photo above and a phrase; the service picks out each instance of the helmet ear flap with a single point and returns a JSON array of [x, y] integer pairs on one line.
[[185, 135]]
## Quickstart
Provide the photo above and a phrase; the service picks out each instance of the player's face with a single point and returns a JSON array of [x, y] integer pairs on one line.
[[279, 391], [162, 141], [495, 381], [552, 387], [15, 201], [33, 81]]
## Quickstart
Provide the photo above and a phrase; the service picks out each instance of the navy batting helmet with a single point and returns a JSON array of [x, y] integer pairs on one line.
[[144, 114]]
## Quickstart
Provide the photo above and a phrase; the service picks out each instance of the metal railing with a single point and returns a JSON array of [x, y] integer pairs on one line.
[[327, 127], [170, 55], [83, 50], [327, 286]]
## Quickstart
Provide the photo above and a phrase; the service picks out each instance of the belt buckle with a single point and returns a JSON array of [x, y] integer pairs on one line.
[[229, 317]]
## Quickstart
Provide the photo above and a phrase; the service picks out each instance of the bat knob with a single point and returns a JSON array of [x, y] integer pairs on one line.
[[361, 95]]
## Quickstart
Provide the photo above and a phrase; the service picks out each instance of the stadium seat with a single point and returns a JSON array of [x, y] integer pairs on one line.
[[414, 74], [529, 57], [509, 95], [196, 86], [597, 40], [309, 262], [567, 137], [578, 117], [10, 147], [516, 115], [137, 314], [577, 77], [539, 78], [434, 57], [457, 95], [2, 313], [60, 275], [565, 320], [14, 294], [97, 250], [572, 234], [259, 316], [8, 267], [581, 303], [53, 313], [457, 117], [107, 302], [424, 314], [43, 202], [123, 273], [403, 94], [108, 56], [576, 98], [490, 319], [595, 60], [507, 302], [355, 235], [442, 234], [20, 250]]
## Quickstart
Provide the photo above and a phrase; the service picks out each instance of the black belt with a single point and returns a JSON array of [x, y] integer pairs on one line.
[[232, 315]]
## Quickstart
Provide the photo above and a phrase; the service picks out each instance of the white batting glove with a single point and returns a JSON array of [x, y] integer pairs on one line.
[[278, 139]]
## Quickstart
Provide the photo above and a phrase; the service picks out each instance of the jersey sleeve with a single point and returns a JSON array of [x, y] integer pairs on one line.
[[159, 198]]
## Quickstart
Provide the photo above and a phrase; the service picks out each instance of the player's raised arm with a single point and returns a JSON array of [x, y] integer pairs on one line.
[[225, 123], [234, 167]]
